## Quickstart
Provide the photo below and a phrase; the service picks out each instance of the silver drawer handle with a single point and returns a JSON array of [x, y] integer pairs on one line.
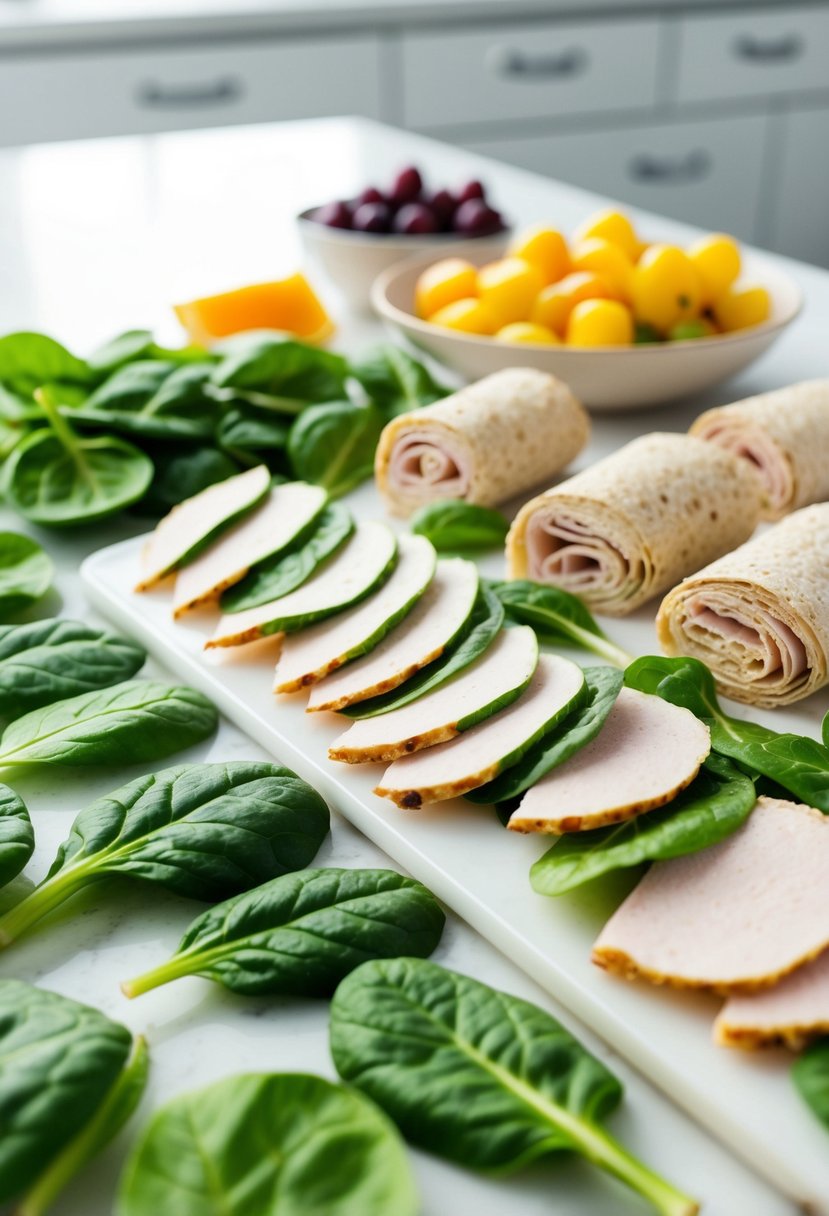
[[155, 96], [774, 50], [670, 172], [519, 65]]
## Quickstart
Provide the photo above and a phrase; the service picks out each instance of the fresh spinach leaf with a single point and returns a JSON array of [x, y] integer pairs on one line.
[[47, 661], [798, 764], [135, 344], [136, 720], [557, 618], [478, 1076], [267, 1143], [300, 934], [152, 399], [58, 1061], [333, 444], [17, 836], [717, 802], [485, 622], [206, 831], [114, 1112], [28, 360], [181, 472], [276, 373], [454, 526], [55, 478], [810, 1073], [254, 436], [395, 381], [25, 572], [602, 685], [275, 577]]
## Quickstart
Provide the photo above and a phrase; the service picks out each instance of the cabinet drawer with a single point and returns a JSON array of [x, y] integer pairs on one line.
[[801, 217], [706, 173], [46, 97], [528, 71], [753, 54]]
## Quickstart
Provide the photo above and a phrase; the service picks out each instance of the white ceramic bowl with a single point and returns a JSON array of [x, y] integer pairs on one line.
[[607, 377], [353, 260]]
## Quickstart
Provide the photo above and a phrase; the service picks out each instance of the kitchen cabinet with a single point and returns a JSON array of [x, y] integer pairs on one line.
[[698, 110]]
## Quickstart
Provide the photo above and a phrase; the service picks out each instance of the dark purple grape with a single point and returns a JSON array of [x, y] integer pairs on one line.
[[370, 195], [475, 218], [334, 215], [444, 205], [473, 189], [407, 185], [415, 219], [372, 217]]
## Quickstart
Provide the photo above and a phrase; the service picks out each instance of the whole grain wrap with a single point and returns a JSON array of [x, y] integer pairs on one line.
[[636, 522], [785, 435], [486, 443], [759, 617]]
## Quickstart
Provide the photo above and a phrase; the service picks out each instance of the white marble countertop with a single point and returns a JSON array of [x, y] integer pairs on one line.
[[51, 24], [100, 236]]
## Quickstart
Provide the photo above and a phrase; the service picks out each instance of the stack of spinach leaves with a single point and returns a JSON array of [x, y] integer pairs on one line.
[[142, 426]]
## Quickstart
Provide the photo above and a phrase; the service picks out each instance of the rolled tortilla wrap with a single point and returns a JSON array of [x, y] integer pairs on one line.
[[636, 522], [759, 617], [486, 443], [785, 436]]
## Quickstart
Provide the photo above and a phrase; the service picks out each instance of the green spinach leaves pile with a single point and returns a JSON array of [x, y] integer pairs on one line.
[[141, 426]]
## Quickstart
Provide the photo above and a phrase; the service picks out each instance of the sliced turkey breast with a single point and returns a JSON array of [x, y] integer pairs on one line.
[[792, 1012], [479, 754], [636, 522], [487, 685], [784, 435], [194, 523], [355, 570], [308, 656], [434, 622], [269, 529], [735, 917], [486, 443], [646, 753], [759, 617]]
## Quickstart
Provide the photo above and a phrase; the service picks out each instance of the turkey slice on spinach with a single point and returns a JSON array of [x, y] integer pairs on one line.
[[287, 511], [358, 569]]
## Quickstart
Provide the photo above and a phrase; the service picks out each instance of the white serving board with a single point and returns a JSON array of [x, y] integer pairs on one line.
[[462, 854]]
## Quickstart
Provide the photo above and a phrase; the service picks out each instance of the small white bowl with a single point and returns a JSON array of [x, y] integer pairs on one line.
[[353, 260], [603, 377]]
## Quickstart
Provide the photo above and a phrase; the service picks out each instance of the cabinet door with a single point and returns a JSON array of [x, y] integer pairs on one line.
[[753, 54], [524, 70], [801, 218], [71, 96], [706, 173]]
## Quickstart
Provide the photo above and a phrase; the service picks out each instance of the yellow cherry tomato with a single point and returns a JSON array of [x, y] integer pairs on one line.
[[598, 256], [741, 306], [520, 332], [612, 226], [555, 303], [443, 283], [717, 262], [508, 287], [665, 287], [470, 316], [600, 323], [544, 248]]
